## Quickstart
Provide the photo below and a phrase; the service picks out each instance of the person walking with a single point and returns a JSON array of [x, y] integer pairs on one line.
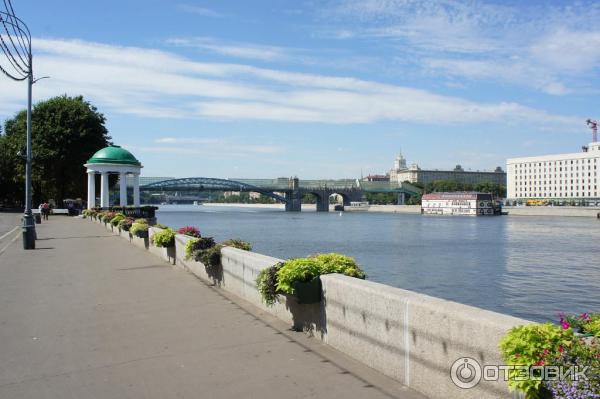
[[45, 210]]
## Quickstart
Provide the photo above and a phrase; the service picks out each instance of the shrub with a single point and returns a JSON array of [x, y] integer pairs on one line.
[[161, 226], [198, 244], [164, 238], [141, 221], [266, 282], [533, 345], [237, 243], [125, 224], [139, 229], [336, 263], [107, 216], [189, 231], [282, 278], [296, 270], [210, 257], [115, 220]]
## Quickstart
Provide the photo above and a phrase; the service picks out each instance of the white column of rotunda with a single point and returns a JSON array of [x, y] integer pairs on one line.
[[113, 160]]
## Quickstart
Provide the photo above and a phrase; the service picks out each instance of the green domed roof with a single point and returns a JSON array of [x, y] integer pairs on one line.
[[114, 154]]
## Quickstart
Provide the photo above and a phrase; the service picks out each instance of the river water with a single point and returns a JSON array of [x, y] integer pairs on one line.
[[530, 267]]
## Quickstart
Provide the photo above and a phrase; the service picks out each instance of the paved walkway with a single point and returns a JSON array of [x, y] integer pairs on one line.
[[87, 315]]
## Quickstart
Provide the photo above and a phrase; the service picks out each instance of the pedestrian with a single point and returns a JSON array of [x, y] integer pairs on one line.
[[45, 210]]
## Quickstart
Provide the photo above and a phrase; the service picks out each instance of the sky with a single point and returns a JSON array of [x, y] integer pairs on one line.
[[321, 89]]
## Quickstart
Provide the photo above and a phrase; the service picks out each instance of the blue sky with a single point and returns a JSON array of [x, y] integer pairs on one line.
[[321, 88]]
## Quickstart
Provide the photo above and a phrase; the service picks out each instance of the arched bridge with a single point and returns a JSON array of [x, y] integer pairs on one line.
[[288, 191]]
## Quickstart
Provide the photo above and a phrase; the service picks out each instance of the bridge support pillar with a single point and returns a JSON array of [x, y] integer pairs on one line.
[[401, 198], [323, 203], [294, 201]]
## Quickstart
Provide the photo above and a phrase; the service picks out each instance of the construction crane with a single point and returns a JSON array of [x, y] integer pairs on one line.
[[594, 126]]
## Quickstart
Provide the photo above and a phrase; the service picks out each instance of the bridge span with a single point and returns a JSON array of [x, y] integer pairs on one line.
[[287, 190]]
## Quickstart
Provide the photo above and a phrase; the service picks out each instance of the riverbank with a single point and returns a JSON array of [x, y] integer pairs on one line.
[[565, 211], [412, 209]]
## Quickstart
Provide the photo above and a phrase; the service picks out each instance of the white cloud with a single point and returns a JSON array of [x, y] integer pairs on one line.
[[154, 83], [550, 47], [197, 10], [233, 49]]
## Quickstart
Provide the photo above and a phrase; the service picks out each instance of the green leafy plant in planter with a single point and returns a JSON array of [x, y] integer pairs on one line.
[[210, 257], [299, 277], [164, 238], [125, 224], [161, 226], [533, 345], [108, 216], [139, 229], [301, 270], [115, 220], [192, 247], [237, 243], [266, 282], [337, 263]]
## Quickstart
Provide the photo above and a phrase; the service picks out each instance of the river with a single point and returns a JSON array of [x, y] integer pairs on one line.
[[530, 267]]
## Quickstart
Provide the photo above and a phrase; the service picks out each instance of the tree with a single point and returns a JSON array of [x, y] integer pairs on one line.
[[66, 132]]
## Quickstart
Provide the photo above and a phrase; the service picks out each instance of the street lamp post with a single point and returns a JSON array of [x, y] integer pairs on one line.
[[15, 42]]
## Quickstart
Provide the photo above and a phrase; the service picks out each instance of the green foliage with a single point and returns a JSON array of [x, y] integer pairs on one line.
[[266, 282], [244, 198], [161, 226], [141, 220], [337, 263], [210, 257], [304, 270], [125, 224], [198, 244], [164, 238], [296, 270], [116, 219], [533, 345], [382, 198], [496, 189], [108, 216], [237, 243], [67, 131], [139, 229]]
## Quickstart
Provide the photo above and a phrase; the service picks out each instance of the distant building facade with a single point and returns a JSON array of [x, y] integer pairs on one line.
[[414, 174], [562, 177], [376, 178]]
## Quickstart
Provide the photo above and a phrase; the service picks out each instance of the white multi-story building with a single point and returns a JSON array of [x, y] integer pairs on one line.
[[561, 177]]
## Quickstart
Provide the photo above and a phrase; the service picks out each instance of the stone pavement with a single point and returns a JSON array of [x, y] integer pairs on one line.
[[87, 315]]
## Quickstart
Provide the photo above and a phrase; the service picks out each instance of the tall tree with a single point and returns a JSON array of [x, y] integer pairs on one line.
[[66, 132]]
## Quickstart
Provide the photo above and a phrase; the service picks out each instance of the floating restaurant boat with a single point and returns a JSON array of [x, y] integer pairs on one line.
[[459, 203]]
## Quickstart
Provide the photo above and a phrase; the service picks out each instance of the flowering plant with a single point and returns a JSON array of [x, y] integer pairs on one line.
[[189, 231], [549, 345], [585, 323]]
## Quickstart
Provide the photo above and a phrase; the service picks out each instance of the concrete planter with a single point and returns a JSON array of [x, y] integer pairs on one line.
[[180, 242], [125, 235], [167, 254], [141, 242]]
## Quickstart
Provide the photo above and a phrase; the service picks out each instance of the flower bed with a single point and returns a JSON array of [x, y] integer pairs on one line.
[[570, 346]]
